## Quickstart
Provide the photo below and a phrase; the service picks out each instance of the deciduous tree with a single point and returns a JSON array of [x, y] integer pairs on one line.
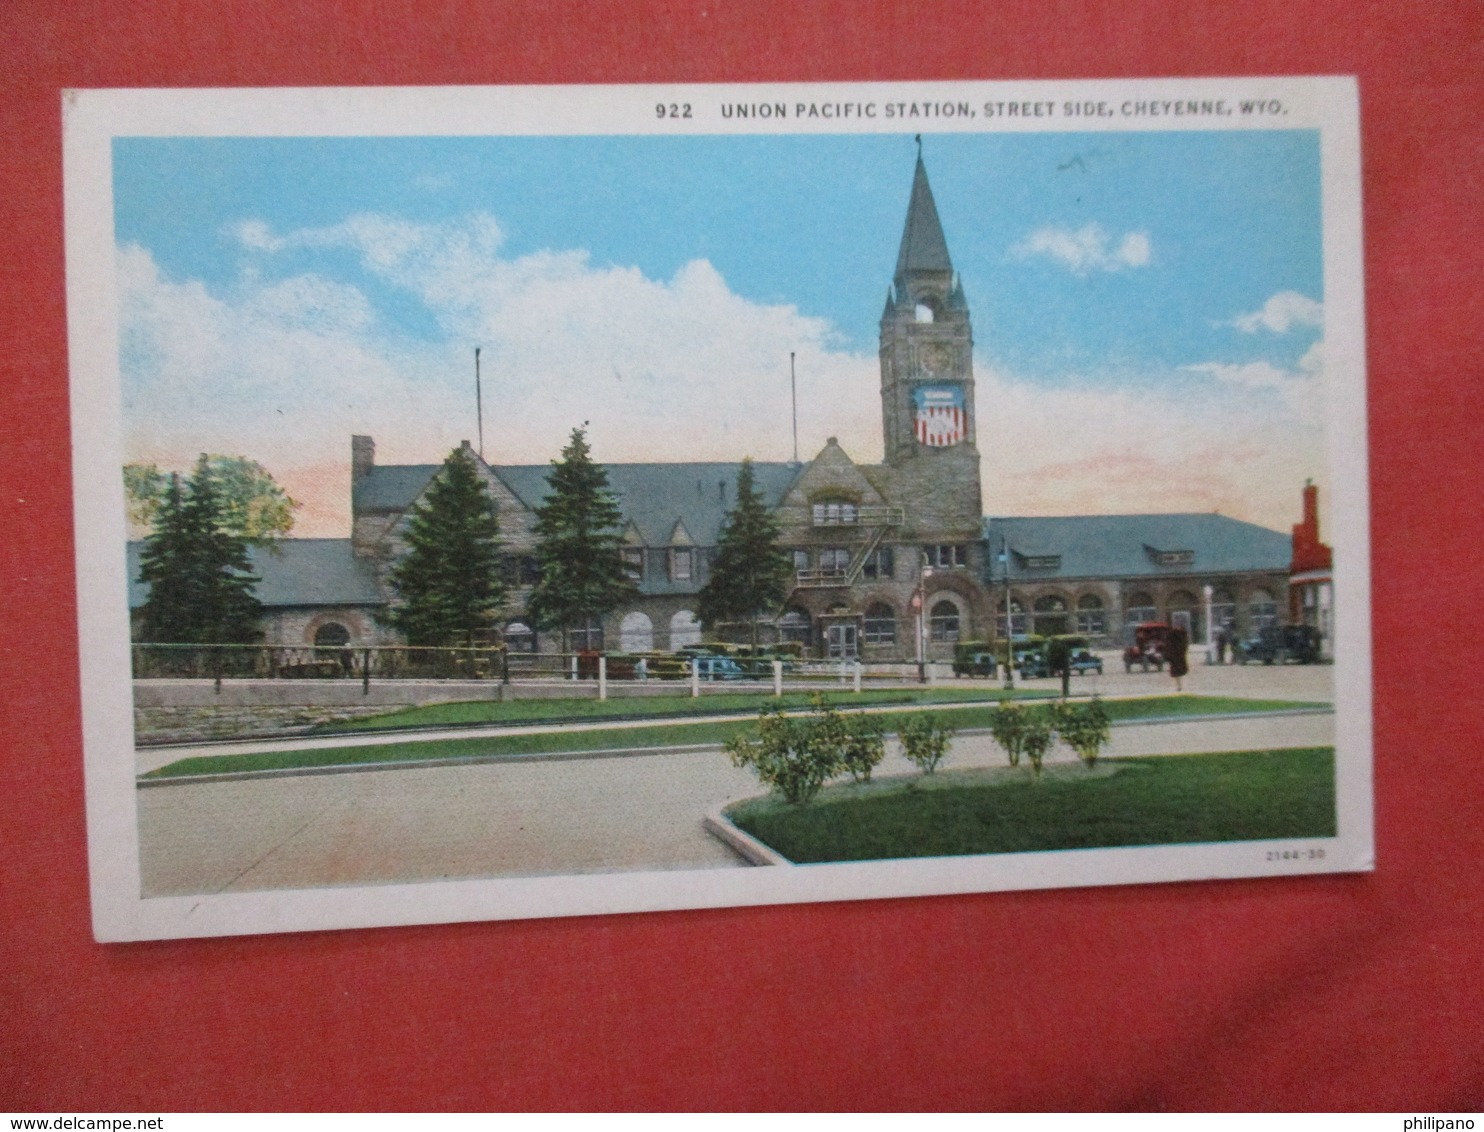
[[253, 506]]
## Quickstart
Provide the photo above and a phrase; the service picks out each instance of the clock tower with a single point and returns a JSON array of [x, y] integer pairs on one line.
[[927, 373]]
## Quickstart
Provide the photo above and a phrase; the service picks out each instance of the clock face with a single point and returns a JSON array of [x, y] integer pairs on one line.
[[936, 358]]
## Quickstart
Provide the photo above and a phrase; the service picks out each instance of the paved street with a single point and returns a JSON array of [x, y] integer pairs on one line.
[[532, 817]]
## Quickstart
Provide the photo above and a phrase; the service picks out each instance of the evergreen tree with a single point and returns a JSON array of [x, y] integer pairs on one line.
[[582, 573], [200, 581], [750, 575], [449, 584]]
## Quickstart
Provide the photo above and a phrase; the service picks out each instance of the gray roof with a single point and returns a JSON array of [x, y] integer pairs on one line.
[[391, 487], [1127, 546], [655, 496], [923, 246], [652, 496], [294, 571]]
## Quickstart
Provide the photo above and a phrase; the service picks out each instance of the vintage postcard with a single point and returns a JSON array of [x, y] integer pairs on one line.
[[516, 502]]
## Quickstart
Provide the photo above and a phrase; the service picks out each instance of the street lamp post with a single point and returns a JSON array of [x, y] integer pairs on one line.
[[920, 600], [1009, 619], [1206, 591]]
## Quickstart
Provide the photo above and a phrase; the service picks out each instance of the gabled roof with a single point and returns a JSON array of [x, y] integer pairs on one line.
[[391, 487], [294, 571], [923, 245], [655, 497], [1120, 546]]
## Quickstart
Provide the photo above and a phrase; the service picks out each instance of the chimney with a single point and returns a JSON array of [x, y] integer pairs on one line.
[[362, 457], [1311, 508]]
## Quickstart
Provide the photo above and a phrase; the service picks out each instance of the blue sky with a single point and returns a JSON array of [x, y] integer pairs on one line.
[[1110, 265]]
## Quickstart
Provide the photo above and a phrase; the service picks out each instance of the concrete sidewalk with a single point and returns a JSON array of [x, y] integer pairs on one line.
[[524, 818]]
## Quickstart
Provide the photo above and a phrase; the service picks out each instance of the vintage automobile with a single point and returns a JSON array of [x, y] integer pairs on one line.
[[719, 668], [1037, 662], [1150, 648], [1281, 644], [975, 658], [1083, 662]]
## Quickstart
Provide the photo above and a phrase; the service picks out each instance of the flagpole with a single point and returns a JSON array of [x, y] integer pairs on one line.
[[793, 386], [478, 403]]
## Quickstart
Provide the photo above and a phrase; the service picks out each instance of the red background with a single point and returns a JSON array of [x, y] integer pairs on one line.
[[1356, 991]]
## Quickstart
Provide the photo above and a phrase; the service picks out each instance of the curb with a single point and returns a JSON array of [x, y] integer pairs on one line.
[[613, 753], [749, 848]]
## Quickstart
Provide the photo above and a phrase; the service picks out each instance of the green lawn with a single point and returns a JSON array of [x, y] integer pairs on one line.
[[659, 735], [1251, 795], [711, 702]]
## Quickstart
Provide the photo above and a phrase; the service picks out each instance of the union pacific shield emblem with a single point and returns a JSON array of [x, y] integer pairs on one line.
[[939, 415]]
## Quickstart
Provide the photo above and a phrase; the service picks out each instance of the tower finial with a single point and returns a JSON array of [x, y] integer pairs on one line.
[[918, 139]]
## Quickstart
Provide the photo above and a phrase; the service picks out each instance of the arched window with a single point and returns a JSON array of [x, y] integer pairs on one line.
[[1051, 615], [943, 622], [1262, 610], [331, 635], [1091, 616], [1022, 622], [880, 624], [924, 311], [519, 637], [1139, 607], [795, 625], [636, 633], [684, 630]]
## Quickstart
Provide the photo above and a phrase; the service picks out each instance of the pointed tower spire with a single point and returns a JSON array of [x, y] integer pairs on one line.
[[923, 246]]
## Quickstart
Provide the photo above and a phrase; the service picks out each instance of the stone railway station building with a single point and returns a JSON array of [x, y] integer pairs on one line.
[[872, 543]]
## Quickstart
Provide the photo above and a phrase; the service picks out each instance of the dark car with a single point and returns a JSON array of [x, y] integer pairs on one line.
[[975, 658], [1083, 662], [1282, 644]]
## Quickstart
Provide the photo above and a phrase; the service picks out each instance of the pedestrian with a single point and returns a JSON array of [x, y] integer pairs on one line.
[[641, 669], [1178, 647]]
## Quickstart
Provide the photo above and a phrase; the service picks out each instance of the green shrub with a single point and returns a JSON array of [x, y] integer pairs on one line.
[[1007, 726], [1035, 737], [1083, 727], [793, 756], [864, 747], [925, 742]]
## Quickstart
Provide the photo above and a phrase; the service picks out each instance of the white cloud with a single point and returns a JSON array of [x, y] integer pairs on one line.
[[285, 370], [1088, 249], [1252, 375], [1281, 313]]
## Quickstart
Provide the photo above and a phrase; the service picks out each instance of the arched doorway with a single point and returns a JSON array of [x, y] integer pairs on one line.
[[636, 633], [685, 630]]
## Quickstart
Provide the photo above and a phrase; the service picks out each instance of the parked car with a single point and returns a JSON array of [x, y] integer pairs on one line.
[[1036, 663], [1280, 644], [1083, 662], [974, 658], [1150, 648], [719, 668]]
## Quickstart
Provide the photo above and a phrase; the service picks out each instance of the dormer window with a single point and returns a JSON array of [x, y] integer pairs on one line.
[[835, 513], [681, 563], [1169, 557], [633, 562]]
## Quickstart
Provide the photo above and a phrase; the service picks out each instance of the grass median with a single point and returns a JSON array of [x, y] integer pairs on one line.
[[1180, 799], [713, 701], [676, 734]]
